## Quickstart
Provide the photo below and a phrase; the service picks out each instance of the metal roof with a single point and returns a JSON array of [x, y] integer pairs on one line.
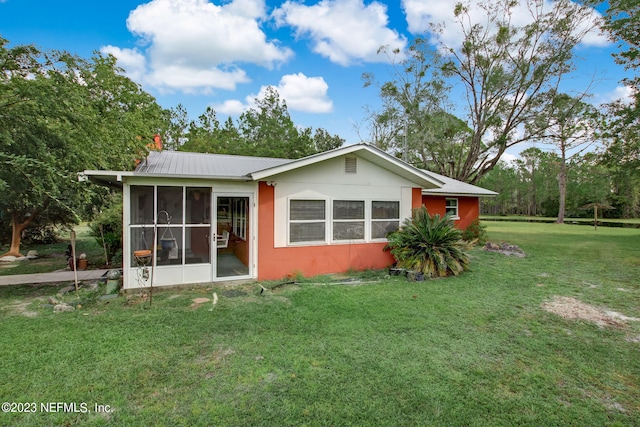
[[221, 166], [456, 188], [180, 164]]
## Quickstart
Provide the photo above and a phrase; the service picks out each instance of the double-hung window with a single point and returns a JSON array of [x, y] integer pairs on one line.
[[307, 221], [348, 220], [385, 218], [451, 207], [341, 221]]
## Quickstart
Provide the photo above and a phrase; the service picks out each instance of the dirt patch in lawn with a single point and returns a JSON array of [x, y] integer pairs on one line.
[[22, 308], [505, 249], [573, 309]]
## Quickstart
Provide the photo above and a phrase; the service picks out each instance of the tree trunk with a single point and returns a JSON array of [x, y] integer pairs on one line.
[[16, 235], [18, 227], [562, 186], [534, 202]]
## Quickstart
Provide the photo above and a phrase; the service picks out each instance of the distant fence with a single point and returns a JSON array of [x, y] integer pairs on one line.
[[579, 221]]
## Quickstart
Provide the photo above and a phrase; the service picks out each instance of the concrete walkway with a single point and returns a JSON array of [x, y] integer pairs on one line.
[[54, 277]]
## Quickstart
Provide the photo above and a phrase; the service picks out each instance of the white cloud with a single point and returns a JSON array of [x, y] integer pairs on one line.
[[301, 93], [195, 45], [345, 31], [195, 80], [623, 94], [421, 13], [508, 157], [131, 60], [231, 107]]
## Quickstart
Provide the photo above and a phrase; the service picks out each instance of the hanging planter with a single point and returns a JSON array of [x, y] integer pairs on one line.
[[142, 256], [167, 244], [170, 245]]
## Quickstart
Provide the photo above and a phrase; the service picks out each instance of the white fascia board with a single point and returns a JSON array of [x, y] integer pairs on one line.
[[484, 193], [116, 176], [111, 178], [367, 152]]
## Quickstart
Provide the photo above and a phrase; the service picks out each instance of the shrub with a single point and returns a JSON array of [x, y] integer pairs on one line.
[[111, 222], [431, 245], [476, 232]]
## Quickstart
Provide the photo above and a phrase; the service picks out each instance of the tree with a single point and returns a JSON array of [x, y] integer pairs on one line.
[[414, 122], [589, 181], [621, 130], [509, 74], [324, 141], [569, 124], [268, 130], [174, 136], [504, 180], [622, 21], [265, 130], [60, 114]]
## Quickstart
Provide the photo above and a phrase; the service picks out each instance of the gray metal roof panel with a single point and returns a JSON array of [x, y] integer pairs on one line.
[[179, 163], [455, 187]]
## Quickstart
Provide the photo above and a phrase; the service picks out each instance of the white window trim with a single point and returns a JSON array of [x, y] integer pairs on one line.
[[240, 217], [372, 220], [363, 220], [456, 216], [329, 221], [310, 221]]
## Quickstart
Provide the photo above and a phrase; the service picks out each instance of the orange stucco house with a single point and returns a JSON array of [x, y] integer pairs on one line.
[[207, 217]]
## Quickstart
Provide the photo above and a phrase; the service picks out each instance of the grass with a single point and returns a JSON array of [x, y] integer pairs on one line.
[[473, 350], [51, 257], [627, 221]]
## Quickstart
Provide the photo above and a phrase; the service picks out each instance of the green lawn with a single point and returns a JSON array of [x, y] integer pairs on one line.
[[475, 350], [627, 221]]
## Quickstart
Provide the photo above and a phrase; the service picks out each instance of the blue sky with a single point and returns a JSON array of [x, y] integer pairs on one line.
[[223, 53]]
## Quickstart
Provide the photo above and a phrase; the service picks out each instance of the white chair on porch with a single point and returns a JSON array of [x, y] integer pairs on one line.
[[222, 241]]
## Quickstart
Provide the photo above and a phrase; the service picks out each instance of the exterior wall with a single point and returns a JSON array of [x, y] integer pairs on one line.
[[277, 258], [435, 204], [416, 197], [328, 180], [468, 208]]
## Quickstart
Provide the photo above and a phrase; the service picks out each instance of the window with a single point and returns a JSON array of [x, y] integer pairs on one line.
[[348, 220], [307, 221], [451, 207], [240, 217], [385, 218]]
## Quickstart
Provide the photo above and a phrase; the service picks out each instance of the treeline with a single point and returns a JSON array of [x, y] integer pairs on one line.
[[529, 186], [264, 130]]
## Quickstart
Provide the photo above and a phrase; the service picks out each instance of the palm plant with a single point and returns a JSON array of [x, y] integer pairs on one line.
[[431, 245]]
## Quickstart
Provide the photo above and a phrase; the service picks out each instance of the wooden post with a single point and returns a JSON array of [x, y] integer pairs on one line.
[[153, 261]]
